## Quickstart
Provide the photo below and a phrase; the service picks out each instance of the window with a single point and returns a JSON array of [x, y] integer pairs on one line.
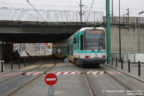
[[81, 39], [74, 43], [94, 39]]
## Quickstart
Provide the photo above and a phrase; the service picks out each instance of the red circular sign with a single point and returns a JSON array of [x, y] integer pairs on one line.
[[51, 79]]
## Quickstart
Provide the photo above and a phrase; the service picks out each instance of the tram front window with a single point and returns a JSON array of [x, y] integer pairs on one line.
[[94, 40]]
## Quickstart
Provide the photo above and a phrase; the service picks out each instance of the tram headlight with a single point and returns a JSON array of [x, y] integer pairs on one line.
[[87, 56], [103, 56]]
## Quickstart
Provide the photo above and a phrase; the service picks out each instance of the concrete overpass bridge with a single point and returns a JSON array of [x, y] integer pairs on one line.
[[25, 25], [28, 31], [59, 25]]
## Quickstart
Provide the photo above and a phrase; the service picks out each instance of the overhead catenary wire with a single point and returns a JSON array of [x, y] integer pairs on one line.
[[35, 10], [91, 6], [11, 9]]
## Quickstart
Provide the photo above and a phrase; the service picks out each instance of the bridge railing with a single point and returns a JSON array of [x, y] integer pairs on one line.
[[49, 15], [126, 20]]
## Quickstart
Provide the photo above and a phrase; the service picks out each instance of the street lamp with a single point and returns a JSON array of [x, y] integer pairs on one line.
[[139, 30]]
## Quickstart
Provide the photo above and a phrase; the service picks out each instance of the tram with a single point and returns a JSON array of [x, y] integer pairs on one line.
[[85, 47]]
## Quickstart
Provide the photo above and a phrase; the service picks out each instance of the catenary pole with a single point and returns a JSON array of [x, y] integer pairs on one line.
[[108, 31], [119, 33], [112, 12], [81, 11]]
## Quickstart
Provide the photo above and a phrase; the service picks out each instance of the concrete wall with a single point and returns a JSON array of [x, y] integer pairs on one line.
[[5, 51], [129, 39], [1, 51]]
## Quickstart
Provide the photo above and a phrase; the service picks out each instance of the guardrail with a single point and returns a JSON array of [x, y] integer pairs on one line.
[[126, 20]]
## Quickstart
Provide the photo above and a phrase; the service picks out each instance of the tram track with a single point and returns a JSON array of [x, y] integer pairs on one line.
[[127, 86], [23, 73], [29, 82], [91, 87], [121, 83], [125, 74], [91, 90]]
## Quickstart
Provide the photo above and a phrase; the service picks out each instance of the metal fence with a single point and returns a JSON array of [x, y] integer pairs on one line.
[[49, 15], [62, 16], [126, 20]]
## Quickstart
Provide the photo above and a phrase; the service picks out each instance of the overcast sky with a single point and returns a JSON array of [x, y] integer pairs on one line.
[[95, 5]]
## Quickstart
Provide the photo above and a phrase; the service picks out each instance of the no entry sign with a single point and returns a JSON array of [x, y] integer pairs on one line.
[[51, 79]]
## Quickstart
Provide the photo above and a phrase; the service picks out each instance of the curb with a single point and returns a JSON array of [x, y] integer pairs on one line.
[[137, 78]]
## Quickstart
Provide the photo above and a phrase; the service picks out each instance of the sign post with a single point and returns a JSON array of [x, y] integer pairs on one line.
[[50, 80]]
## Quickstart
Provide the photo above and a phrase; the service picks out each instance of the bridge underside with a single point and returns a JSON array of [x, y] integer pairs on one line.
[[32, 38], [31, 32]]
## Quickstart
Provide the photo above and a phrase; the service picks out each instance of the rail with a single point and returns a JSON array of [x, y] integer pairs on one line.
[[29, 82]]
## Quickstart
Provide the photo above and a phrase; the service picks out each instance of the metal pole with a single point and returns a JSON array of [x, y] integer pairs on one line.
[[139, 30], [129, 66], [139, 69], [81, 18], [122, 64], [112, 11], [51, 90], [108, 31], [112, 61], [139, 35], [128, 14], [119, 35], [116, 61]]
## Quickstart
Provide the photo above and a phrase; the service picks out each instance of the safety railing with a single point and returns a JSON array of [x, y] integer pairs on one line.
[[49, 15]]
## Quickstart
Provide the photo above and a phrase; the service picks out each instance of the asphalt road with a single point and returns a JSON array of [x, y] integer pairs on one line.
[[71, 84]]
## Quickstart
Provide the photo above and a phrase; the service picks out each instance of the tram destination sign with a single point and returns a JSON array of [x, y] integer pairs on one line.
[[94, 31]]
